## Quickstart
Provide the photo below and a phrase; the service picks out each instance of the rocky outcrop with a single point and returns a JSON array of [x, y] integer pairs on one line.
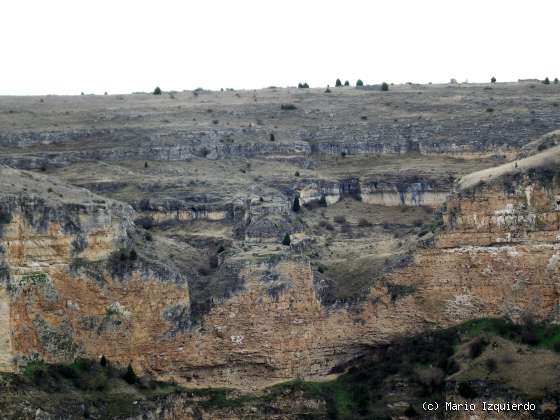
[[56, 254], [74, 287], [497, 253], [400, 190]]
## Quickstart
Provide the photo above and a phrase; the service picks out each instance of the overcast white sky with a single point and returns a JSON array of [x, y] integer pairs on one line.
[[120, 46]]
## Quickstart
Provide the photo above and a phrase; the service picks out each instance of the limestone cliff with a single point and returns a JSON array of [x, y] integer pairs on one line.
[[69, 272], [73, 284]]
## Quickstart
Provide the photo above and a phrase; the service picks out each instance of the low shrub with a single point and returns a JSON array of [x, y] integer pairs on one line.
[[130, 376], [465, 390], [295, 205], [477, 346], [339, 219], [491, 364]]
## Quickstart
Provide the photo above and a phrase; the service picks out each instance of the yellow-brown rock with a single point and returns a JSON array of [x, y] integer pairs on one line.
[[497, 255]]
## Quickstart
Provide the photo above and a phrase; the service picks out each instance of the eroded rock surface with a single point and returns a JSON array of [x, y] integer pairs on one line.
[[165, 246]]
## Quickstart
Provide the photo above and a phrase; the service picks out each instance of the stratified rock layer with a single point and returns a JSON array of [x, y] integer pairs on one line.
[[74, 288]]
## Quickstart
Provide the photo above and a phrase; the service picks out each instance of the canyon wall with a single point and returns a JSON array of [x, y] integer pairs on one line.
[[74, 288]]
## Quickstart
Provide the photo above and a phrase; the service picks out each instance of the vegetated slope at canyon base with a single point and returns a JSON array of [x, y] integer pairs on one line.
[[220, 239]]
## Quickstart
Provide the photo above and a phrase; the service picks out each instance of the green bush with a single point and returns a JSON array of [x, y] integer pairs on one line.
[[130, 376], [346, 83], [364, 222], [157, 91], [286, 241], [493, 80], [546, 81], [384, 87], [36, 372], [326, 225], [5, 217], [491, 364], [96, 380], [465, 390], [296, 206], [214, 261], [338, 83], [340, 219], [410, 412], [359, 82], [476, 347]]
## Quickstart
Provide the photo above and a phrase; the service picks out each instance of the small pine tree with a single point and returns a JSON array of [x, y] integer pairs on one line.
[[493, 80], [103, 361], [145, 165], [157, 91], [272, 138], [359, 82], [323, 201], [328, 89], [305, 85], [347, 83], [338, 83], [384, 87], [286, 241], [556, 81], [300, 86], [130, 376], [296, 207], [546, 81]]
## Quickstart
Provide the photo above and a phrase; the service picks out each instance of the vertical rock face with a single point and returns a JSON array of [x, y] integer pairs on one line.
[[390, 191], [71, 286], [406, 192], [5, 332], [497, 254], [71, 283]]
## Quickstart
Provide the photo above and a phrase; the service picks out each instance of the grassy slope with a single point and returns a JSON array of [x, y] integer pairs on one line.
[[546, 158]]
